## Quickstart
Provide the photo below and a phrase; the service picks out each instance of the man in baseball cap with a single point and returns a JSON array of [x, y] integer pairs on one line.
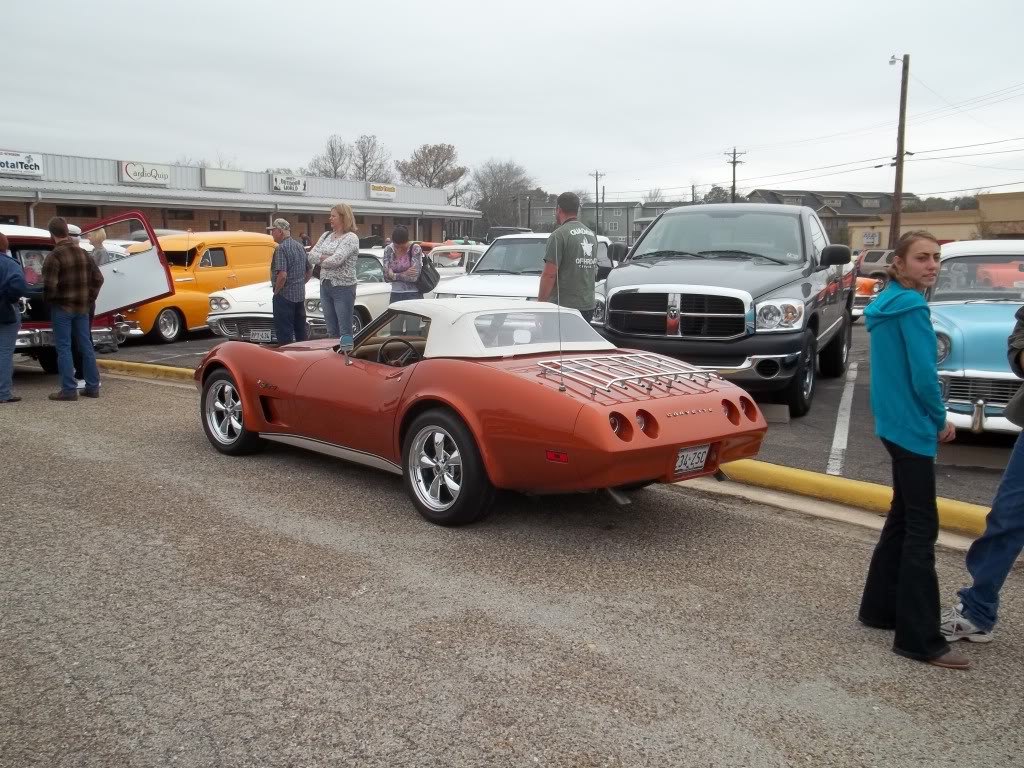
[[289, 272]]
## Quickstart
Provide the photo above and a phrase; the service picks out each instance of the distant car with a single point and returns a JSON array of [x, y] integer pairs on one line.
[[455, 260], [463, 397], [867, 289], [875, 263], [495, 232], [973, 314], [247, 314]]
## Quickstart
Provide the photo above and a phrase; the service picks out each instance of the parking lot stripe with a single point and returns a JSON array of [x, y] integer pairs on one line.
[[838, 453]]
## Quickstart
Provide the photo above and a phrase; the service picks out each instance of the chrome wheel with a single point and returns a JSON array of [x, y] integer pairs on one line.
[[168, 324], [807, 386], [435, 468], [357, 323], [224, 412]]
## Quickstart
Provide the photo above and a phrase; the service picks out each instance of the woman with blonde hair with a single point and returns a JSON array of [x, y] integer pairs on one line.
[[901, 592], [336, 253]]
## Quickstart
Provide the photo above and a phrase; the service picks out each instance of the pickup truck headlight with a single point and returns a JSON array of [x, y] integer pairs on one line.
[[313, 305], [218, 304], [598, 318], [942, 346], [779, 315]]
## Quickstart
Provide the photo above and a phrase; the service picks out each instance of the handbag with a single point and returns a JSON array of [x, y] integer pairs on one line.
[[428, 278]]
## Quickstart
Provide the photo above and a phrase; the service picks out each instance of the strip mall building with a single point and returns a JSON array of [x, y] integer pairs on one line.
[[34, 187]]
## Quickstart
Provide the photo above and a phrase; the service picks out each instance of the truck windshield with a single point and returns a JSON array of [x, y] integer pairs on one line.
[[725, 235]]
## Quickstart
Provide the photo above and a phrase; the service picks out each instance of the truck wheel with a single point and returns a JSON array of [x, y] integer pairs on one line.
[[800, 392], [48, 360], [836, 356]]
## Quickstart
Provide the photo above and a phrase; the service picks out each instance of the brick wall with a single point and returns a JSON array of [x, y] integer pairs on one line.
[[19, 210]]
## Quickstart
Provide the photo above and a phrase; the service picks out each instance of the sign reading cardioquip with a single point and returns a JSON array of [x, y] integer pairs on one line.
[[295, 185], [20, 163], [133, 172], [382, 191]]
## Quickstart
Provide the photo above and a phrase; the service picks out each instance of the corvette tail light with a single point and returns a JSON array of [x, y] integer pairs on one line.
[[620, 425], [559, 457], [647, 423], [732, 413], [749, 409]]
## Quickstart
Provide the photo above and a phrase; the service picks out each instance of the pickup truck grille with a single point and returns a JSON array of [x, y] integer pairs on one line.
[[688, 315], [993, 391]]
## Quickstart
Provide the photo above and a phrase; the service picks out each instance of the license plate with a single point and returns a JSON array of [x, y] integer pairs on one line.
[[691, 459], [260, 335]]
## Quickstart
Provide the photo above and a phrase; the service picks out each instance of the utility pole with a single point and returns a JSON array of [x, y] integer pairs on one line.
[[519, 212], [693, 193], [734, 162], [897, 195], [597, 179], [529, 212], [602, 207]]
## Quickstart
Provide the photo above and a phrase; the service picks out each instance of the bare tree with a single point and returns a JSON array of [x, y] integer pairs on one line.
[[223, 162], [432, 165], [371, 161], [191, 162], [494, 187], [334, 161], [654, 195]]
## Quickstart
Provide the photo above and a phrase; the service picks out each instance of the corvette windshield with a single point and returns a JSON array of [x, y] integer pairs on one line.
[[726, 235], [980, 278]]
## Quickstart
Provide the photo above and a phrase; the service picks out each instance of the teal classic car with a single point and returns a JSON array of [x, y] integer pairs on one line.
[[980, 288]]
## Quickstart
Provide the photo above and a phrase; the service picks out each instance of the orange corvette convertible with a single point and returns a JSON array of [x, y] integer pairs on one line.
[[463, 396]]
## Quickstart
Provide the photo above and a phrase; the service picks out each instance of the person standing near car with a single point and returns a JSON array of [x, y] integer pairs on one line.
[[336, 253], [402, 263], [289, 272], [901, 591], [71, 283], [991, 557], [12, 289], [101, 256], [570, 262]]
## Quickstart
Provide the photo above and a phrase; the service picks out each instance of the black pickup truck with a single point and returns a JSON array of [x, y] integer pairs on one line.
[[752, 291]]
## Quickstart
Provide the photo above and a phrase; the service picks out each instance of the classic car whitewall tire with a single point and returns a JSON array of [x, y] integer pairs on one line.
[[444, 474], [221, 412]]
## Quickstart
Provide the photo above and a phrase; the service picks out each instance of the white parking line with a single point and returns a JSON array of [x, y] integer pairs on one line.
[[838, 453]]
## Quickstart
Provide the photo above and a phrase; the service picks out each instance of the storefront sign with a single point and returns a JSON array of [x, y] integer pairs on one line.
[[144, 173], [217, 178], [382, 191], [20, 163], [872, 239], [294, 184]]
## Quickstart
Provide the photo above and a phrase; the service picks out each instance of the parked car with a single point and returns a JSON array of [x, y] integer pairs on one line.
[[247, 314], [973, 316], [495, 232], [455, 260], [867, 289], [142, 276], [511, 268], [752, 291], [202, 263], [461, 397], [875, 263]]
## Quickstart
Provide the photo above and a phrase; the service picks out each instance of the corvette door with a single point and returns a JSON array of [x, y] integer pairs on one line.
[[132, 274]]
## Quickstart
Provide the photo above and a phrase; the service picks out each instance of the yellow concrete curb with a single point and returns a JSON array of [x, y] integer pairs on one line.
[[146, 370], [953, 515]]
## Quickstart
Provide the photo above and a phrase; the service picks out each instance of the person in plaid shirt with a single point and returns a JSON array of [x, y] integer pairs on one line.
[[71, 283], [289, 273]]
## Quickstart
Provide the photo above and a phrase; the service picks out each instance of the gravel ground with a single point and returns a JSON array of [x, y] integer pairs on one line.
[[165, 605]]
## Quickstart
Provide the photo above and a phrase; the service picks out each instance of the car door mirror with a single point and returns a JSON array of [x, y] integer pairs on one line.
[[834, 255], [603, 272]]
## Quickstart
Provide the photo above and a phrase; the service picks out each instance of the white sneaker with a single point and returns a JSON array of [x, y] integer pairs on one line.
[[80, 383], [956, 626]]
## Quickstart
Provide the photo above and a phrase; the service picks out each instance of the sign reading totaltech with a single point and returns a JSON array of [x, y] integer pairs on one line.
[[20, 163], [144, 173], [382, 191], [294, 184]]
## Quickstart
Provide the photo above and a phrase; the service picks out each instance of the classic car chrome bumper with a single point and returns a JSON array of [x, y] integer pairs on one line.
[[978, 421], [241, 327], [975, 399], [30, 338]]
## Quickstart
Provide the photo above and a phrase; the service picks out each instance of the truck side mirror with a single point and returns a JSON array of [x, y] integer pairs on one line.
[[834, 255]]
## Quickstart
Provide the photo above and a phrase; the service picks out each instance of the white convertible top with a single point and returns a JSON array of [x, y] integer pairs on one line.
[[983, 248], [453, 330]]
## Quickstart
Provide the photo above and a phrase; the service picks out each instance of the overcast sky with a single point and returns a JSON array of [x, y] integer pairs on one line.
[[651, 93]]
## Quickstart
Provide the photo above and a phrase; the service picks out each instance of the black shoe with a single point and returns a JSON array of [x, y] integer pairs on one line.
[[94, 393], [12, 399], [65, 396]]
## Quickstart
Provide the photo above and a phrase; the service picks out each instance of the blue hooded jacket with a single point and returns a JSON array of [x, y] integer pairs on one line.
[[12, 288], [905, 393]]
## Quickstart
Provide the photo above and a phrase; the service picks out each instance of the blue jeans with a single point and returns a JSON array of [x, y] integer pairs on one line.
[[66, 325], [289, 320], [8, 336], [991, 557], [338, 302]]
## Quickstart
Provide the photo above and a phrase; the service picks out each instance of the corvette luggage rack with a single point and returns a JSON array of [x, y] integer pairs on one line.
[[644, 371]]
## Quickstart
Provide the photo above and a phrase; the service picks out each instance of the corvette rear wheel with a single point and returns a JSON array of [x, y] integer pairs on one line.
[[221, 411], [444, 474]]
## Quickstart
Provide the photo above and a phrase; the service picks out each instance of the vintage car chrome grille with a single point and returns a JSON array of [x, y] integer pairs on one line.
[[992, 391], [643, 372], [241, 328], [862, 301], [689, 315]]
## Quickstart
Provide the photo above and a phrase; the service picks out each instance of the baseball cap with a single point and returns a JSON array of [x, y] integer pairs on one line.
[[281, 224]]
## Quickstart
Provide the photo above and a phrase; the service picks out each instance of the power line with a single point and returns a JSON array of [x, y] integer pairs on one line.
[[966, 113], [969, 189]]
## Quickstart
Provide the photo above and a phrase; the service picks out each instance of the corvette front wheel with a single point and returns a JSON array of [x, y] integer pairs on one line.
[[444, 474], [221, 411]]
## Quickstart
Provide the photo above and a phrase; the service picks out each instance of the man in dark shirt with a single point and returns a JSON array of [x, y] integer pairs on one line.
[[570, 261], [289, 272], [71, 283]]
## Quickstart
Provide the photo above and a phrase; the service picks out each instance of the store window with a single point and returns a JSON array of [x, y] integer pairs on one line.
[[8, 219], [179, 215], [78, 211], [254, 218]]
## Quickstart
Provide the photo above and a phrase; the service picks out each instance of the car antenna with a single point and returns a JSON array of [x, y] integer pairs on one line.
[[558, 313]]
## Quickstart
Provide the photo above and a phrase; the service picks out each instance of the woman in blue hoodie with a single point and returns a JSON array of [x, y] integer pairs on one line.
[[902, 589]]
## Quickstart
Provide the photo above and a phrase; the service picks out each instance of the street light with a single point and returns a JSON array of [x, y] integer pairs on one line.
[[897, 196]]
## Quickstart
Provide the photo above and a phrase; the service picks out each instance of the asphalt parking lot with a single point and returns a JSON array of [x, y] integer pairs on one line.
[[164, 604], [968, 470]]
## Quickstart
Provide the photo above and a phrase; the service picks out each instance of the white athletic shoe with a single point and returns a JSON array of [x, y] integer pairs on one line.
[[956, 626]]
